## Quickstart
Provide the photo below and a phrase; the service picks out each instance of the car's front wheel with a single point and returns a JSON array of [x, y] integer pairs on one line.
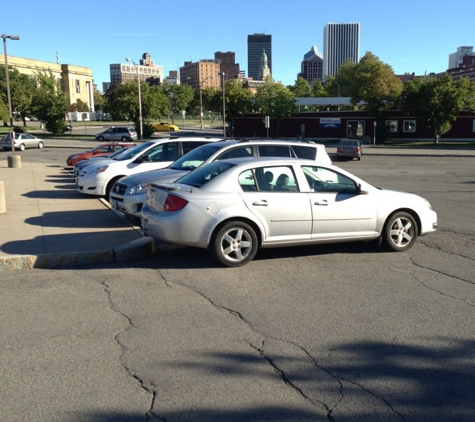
[[235, 244], [400, 232], [40, 145]]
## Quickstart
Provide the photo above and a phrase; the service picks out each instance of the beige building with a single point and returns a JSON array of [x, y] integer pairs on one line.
[[76, 81], [204, 73], [146, 70]]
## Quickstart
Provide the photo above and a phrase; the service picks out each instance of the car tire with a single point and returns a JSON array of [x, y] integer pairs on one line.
[[40, 145], [22, 147], [234, 244], [400, 232], [100, 138], [172, 129], [124, 139]]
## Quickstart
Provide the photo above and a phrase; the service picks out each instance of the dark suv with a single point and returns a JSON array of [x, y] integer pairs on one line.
[[119, 133]]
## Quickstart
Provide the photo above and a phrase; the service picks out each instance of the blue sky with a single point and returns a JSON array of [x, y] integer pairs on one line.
[[409, 35]]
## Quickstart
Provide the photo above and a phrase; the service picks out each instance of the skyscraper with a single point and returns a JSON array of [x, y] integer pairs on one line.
[[341, 41], [312, 66], [256, 45]]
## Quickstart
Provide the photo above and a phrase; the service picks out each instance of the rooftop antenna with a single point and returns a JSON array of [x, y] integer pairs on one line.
[[57, 57]]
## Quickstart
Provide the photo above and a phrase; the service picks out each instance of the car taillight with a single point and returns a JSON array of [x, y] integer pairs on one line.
[[174, 203]]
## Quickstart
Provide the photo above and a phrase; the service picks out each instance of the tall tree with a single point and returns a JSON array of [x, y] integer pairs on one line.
[[273, 99], [370, 82], [179, 97], [301, 88], [49, 103], [437, 102]]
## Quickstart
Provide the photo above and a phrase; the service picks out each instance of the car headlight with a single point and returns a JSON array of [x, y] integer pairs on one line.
[[136, 190], [102, 169]]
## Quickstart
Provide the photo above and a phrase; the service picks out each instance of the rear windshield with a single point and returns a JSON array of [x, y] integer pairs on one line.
[[195, 157], [204, 174], [134, 151]]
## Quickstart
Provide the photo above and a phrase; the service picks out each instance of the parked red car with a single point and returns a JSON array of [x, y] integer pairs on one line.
[[101, 150]]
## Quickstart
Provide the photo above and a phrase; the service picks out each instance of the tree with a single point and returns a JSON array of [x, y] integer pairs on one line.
[[437, 102], [273, 99], [370, 83], [98, 100], [21, 92], [301, 88], [238, 100], [179, 97], [49, 103], [79, 105]]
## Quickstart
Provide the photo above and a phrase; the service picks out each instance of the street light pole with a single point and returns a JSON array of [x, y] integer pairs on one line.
[[7, 79], [140, 96], [224, 108]]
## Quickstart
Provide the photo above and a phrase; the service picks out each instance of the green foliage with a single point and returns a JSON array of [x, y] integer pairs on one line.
[[99, 100], [370, 82], [301, 88], [79, 105], [437, 102], [276, 101], [179, 97], [49, 103], [238, 99]]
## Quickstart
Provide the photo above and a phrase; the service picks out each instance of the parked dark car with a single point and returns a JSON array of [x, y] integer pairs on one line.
[[349, 148]]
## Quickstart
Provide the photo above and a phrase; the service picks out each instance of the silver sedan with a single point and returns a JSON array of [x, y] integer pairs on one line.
[[234, 207], [22, 141]]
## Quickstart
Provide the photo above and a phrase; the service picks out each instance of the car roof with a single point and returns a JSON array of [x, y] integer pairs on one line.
[[275, 161]]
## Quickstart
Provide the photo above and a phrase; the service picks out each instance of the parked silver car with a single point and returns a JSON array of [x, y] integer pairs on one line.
[[119, 133], [349, 148], [234, 207], [128, 194], [22, 141]]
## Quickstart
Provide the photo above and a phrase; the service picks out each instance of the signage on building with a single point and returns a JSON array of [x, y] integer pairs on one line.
[[330, 122]]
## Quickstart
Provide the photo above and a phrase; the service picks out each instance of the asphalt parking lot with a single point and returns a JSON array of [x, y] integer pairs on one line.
[[345, 332]]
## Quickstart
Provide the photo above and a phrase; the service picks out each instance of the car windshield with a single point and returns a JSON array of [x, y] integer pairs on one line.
[[134, 151], [204, 174], [195, 158]]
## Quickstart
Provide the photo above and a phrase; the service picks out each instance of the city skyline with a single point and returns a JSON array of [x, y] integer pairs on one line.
[[408, 36]]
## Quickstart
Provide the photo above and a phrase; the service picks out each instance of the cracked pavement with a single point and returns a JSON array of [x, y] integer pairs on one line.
[[336, 333]]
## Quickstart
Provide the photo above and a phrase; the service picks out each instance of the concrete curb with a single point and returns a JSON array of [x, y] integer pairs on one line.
[[134, 250]]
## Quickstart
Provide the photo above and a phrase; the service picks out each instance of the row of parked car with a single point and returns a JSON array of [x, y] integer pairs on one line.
[[236, 196]]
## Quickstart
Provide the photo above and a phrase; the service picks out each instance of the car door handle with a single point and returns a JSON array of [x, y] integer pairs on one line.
[[262, 203], [322, 203]]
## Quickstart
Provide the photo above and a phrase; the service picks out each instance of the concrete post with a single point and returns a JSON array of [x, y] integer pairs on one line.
[[14, 161], [3, 208]]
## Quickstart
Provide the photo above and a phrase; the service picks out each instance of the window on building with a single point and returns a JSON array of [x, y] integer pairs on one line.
[[78, 87], [409, 126], [391, 125]]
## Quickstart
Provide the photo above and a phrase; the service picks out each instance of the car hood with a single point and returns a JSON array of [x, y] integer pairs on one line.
[[154, 176]]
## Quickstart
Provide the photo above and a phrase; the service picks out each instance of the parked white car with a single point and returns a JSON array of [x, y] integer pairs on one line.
[[98, 179], [234, 207], [128, 194]]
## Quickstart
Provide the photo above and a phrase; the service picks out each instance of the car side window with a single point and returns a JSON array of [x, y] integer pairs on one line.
[[162, 152], [188, 146], [241, 151], [308, 153], [322, 179], [269, 179], [274, 151]]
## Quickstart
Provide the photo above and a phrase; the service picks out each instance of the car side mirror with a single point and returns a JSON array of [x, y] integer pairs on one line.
[[360, 190]]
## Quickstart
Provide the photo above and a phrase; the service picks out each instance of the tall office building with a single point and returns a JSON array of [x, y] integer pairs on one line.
[[257, 44], [341, 41], [311, 68]]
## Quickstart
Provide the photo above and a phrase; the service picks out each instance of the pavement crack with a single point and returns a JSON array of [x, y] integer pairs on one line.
[[149, 415]]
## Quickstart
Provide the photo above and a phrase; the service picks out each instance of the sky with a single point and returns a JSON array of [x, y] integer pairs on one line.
[[409, 35]]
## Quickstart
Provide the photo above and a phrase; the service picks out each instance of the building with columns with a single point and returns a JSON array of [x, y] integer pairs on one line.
[[75, 81]]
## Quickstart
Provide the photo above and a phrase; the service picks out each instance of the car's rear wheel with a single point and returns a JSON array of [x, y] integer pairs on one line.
[[22, 147], [172, 129], [400, 232], [235, 244], [124, 139], [40, 145]]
